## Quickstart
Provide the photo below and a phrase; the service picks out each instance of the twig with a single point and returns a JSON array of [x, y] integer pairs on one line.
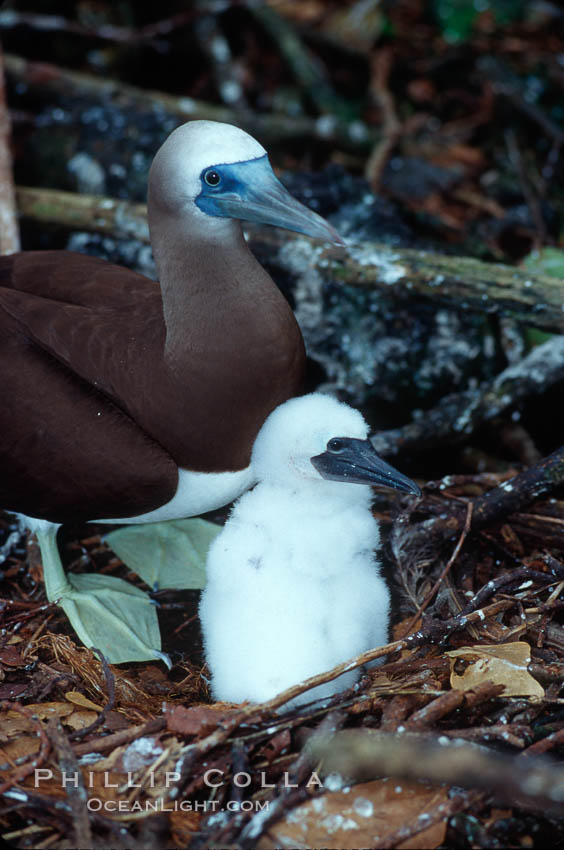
[[536, 481], [458, 415], [494, 585], [511, 734], [288, 797], [269, 128], [436, 709], [100, 720], [433, 632], [77, 794], [10, 18], [9, 232], [445, 571], [362, 756], [531, 199], [555, 739], [508, 84], [381, 63], [124, 736], [306, 68]]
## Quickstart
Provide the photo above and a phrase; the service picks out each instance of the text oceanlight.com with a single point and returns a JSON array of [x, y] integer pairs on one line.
[[95, 804]]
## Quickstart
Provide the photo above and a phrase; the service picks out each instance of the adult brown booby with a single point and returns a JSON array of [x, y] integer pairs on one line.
[[129, 401]]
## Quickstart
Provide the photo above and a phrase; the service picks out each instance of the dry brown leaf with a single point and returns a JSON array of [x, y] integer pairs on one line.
[[18, 748], [503, 664], [80, 719], [360, 818], [79, 699], [12, 690], [197, 720], [10, 657], [45, 710], [10, 726]]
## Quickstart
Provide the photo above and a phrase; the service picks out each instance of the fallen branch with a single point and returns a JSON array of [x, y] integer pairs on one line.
[[458, 415], [269, 128], [76, 792], [94, 213], [457, 282], [497, 504], [362, 755], [462, 283], [9, 232], [533, 483]]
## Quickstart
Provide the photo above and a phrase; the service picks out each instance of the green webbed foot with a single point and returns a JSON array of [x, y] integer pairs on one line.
[[114, 616], [106, 612], [166, 554]]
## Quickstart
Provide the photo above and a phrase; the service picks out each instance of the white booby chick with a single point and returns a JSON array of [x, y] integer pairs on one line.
[[294, 584]]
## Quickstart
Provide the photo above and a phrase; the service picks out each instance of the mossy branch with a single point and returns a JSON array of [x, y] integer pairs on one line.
[[461, 283]]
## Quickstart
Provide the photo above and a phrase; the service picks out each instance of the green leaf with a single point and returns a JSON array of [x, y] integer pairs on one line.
[[457, 17], [166, 554], [546, 261]]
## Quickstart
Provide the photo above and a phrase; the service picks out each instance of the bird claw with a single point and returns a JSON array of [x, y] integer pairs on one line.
[[114, 616]]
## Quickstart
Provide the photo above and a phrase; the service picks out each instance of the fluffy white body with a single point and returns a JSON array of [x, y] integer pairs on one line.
[[294, 585]]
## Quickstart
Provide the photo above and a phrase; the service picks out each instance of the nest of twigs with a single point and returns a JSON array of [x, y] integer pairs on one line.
[[135, 756]]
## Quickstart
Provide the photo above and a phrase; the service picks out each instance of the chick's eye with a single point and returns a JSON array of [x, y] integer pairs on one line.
[[335, 445], [212, 177]]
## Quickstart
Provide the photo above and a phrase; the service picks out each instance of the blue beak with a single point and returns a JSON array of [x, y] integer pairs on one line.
[[251, 191]]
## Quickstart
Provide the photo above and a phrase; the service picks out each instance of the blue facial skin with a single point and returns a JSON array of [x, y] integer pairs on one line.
[[236, 179], [251, 191]]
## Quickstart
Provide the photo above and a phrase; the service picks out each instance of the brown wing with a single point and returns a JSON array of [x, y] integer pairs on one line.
[[67, 452]]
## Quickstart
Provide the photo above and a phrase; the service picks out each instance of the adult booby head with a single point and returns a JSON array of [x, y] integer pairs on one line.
[[213, 174], [137, 402], [294, 586]]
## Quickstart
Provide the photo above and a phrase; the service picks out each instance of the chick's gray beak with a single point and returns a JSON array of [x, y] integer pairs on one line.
[[356, 461]]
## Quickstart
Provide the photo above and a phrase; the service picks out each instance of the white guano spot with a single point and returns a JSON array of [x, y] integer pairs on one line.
[[385, 263], [334, 782], [186, 104], [363, 807]]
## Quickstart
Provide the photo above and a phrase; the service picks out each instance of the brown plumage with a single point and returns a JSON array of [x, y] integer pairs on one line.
[[128, 399], [96, 420]]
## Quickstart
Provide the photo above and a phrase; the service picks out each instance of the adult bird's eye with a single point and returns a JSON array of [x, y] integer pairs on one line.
[[212, 177], [335, 445]]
